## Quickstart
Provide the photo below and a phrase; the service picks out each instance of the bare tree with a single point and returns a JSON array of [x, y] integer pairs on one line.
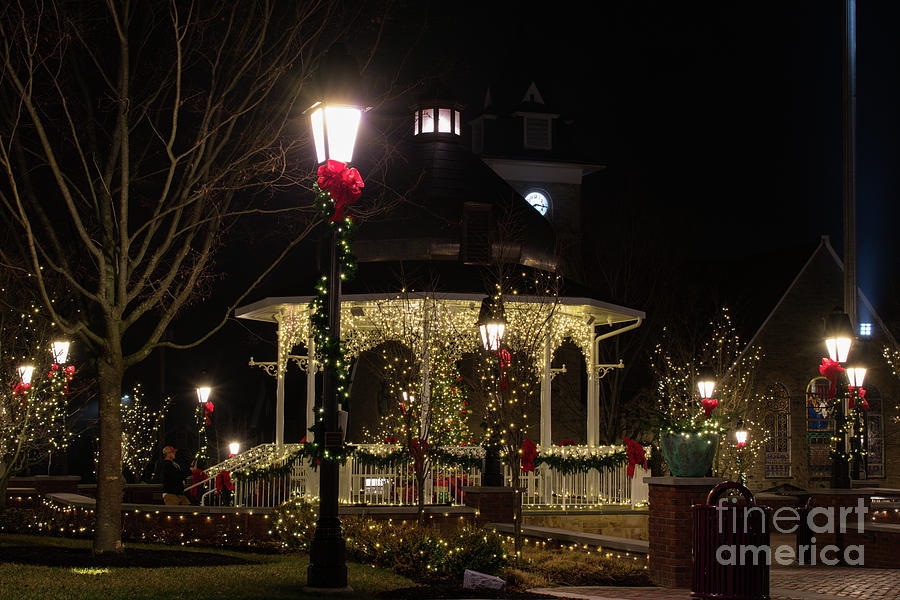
[[133, 136]]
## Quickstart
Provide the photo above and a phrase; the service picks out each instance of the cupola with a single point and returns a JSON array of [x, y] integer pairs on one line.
[[436, 113]]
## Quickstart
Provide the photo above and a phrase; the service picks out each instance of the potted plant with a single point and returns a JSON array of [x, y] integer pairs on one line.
[[689, 433]]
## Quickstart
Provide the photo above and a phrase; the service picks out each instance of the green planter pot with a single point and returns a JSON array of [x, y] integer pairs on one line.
[[689, 455]]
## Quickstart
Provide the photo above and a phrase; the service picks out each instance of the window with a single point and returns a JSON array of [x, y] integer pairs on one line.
[[819, 428], [537, 133], [875, 433], [865, 329], [778, 432]]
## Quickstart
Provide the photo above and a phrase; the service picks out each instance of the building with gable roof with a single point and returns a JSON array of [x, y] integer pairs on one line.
[[794, 416]]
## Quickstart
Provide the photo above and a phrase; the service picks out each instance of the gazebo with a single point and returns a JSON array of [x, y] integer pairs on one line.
[[370, 319]]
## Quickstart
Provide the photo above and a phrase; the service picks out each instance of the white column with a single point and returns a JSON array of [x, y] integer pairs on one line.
[[546, 390], [425, 417], [310, 388], [593, 396], [281, 362]]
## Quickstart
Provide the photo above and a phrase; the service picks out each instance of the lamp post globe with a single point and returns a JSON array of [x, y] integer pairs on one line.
[[856, 375], [706, 382], [60, 351], [491, 323], [203, 393], [838, 335], [336, 113], [25, 373]]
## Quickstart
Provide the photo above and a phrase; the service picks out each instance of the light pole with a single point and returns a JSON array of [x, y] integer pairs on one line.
[[335, 119], [492, 326], [838, 339], [204, 412]]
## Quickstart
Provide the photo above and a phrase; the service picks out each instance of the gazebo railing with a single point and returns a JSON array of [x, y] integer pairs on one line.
[[393, 483]]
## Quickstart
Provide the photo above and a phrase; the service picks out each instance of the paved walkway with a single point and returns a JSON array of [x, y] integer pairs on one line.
[[786, 583]]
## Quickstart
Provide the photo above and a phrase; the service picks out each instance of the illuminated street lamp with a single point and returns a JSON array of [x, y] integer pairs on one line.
[[706, 382], [740, 436], [491, 323], [838, 335], [25, 372], [234, 448], [203, 394], [60, 350], [856, 376], [334, 117]]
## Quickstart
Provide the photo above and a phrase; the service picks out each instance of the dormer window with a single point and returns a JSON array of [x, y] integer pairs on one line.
[[447, 120]]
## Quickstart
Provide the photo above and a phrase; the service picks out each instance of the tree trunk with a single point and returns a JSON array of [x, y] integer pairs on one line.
[[517, 514], [108, 528], [420, 491], [4, 483]]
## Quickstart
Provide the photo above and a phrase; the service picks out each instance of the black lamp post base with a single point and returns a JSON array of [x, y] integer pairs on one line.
[[327, 568]]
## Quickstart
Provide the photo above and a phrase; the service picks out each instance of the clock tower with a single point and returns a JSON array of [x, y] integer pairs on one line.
[[529, 143]]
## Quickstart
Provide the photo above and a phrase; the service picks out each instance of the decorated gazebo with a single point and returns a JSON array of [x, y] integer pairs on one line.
[[417, 320]]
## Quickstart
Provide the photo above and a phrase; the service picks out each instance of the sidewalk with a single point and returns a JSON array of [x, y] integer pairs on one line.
[[786, 583]]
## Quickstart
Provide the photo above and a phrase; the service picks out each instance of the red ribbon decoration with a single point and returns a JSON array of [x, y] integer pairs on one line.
[[505, 360], [417, 449], [709, 405], [208, 411], [636, 456], [223, 481], [529, 453], [566, 443], [342, 184], [21, 387], [830, 369], [863, 403]]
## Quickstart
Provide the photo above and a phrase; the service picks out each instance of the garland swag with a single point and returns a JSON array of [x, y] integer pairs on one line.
[[582, 464]]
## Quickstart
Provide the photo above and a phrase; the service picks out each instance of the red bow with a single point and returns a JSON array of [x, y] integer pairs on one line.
[[21, 387], [342, 184], [223, 481], [830, 369], [417, 449], [636, 455], [566, 443], [505, 360], [207, 411], [709, 405], [529, 453]]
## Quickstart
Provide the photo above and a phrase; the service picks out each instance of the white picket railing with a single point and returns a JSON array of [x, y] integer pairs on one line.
[[394, 484]]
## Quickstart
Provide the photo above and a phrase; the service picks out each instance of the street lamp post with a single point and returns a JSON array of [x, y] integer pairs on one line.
[[492, 326], [838, 339], [335, 119]]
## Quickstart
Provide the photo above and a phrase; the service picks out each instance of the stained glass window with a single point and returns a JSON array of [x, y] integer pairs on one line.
[[819, 428], [778, 432]]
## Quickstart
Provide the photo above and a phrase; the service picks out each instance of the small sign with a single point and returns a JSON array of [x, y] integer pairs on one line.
[[334, 439]]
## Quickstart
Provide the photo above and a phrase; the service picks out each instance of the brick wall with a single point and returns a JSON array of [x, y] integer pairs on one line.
[[671, 527], [494, 504]]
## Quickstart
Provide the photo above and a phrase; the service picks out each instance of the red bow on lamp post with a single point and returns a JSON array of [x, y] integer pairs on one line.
[[830, 369], [709, 405], [863, 403], [208, 411], [636, 456], [342, 184]]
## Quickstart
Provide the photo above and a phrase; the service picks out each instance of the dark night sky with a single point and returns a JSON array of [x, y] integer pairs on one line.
[[721, 120]]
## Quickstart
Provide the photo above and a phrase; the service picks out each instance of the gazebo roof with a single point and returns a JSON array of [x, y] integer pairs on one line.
[[602, 312]]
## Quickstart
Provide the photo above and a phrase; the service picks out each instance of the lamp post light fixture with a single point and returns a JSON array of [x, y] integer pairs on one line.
[[25, 373], [491, 323], [335, 117], [706, 382], [856, 376], [203, 394], [60, 350], [234, 448], [838, 335], [741, 436]]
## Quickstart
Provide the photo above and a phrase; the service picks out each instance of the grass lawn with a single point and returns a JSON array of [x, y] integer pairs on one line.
[[272, 576]]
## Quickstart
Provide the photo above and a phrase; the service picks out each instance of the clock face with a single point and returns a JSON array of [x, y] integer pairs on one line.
[[538, 201]]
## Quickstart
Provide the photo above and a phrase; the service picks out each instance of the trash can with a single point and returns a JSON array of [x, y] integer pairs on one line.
[[731, 547]]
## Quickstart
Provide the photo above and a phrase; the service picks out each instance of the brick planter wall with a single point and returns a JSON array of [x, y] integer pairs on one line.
[[494, 504], [671, 526]]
